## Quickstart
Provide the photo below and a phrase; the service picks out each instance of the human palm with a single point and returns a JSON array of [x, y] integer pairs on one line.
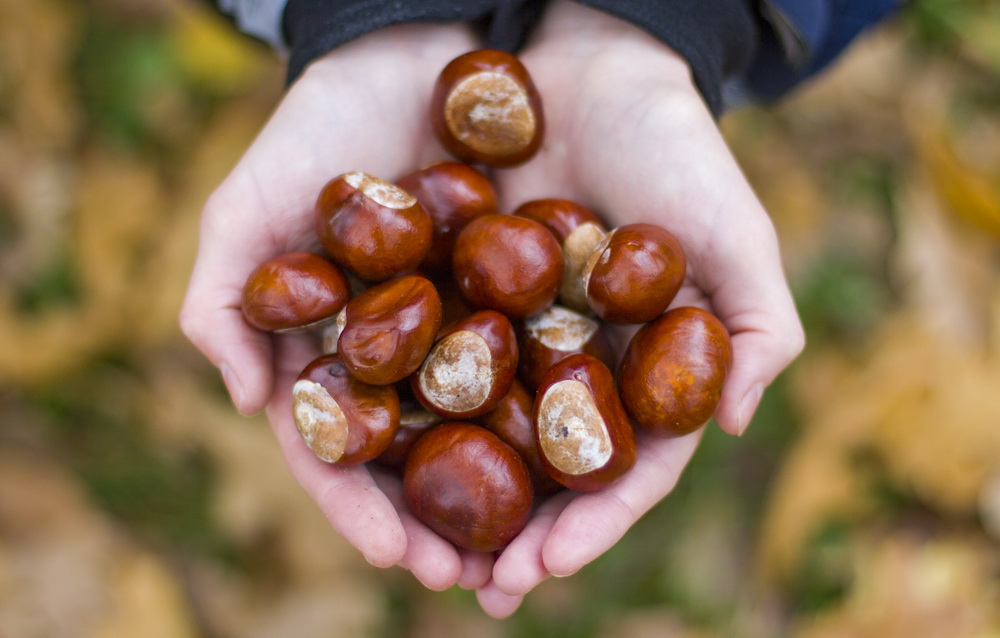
[[363, 108], [629, 136]]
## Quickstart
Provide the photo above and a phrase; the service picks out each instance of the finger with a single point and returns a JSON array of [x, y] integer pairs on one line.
[[431, 559], [592, 523], [477, 569], [496, 603], [212, 316], [749, 293], [348, 496], [520, 567]]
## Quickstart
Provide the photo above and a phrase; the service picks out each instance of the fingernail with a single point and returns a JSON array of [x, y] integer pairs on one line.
[[747, 407], [233, 385]]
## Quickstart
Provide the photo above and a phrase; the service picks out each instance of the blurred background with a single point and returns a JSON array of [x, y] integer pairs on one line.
[[134, 501]]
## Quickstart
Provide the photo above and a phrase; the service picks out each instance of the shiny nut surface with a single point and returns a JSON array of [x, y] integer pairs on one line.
[[453, 194], [389, 328], [512, 421], [634, 274], [414, 422], [467, 485], [509, 264], [579, 231], [584, 436], [294, 291], [671, 376], [371, 227], [341, 419], [485, 108], [470, 367], [555, 333]]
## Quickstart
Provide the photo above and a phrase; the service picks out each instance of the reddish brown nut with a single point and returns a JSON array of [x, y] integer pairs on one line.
[[389, 329], [294, 291], [470, 368], [585, 439], [414, 422], [579, 231], [634, 274], [371, 227], [510, 264], [671, 376], [468, 486], [512, 421], [485, 108], [555, 333], [453, 194], [454, 307], [341, 419]]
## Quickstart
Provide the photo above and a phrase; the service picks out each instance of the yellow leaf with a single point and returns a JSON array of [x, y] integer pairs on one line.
[[213, 53]]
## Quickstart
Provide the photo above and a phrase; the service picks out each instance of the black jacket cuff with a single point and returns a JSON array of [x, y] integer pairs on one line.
[[716, 37]]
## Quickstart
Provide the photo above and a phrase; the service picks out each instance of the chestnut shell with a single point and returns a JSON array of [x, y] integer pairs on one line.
[[371, 412], [389, 329], [636, 275], [671, 376], [453, 194], [467, 485], [293, 291], [510, 264], [483, 141]]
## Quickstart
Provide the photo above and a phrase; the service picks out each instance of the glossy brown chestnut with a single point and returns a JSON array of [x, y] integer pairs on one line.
[[671, 377], [343, 420], [555, 333], [507, 263], [512, 421], [467, 485], [371, 227], [414, 422], [584, 436], [453, 194], [579, 231], [485, 108], [470, 367], [454, 307], [389, 329], [634, 273], [294, 291]]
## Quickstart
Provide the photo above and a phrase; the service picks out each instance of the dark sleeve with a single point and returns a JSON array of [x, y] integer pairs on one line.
[[718, 38], [313, 27], [738, 50], [799, 38]]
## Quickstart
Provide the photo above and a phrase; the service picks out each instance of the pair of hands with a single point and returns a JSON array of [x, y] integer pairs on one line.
[[627, 134]]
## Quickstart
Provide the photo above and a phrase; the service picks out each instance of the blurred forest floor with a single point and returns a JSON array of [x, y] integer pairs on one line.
[[864, 500]]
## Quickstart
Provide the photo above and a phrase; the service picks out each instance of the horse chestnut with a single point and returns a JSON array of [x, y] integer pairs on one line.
[[294, 291], [371, 227], [485, 108], [341, 419], [510, 264], [671, 377], [467, 485], [584, 436]]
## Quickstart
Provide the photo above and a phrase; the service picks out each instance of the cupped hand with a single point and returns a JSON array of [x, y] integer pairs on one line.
[[361, 108], [629, 136]]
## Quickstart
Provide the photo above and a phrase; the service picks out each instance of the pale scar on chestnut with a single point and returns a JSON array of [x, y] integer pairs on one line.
[[458, 373], [320, 420], [571, 431], [561, 329], [490, 113], [381, 191], [578, 246]]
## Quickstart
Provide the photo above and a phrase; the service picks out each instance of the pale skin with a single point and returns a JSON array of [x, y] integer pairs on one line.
[[628, 135]]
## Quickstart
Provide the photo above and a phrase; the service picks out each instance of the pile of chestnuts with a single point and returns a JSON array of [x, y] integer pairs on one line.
[[469, 350]]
